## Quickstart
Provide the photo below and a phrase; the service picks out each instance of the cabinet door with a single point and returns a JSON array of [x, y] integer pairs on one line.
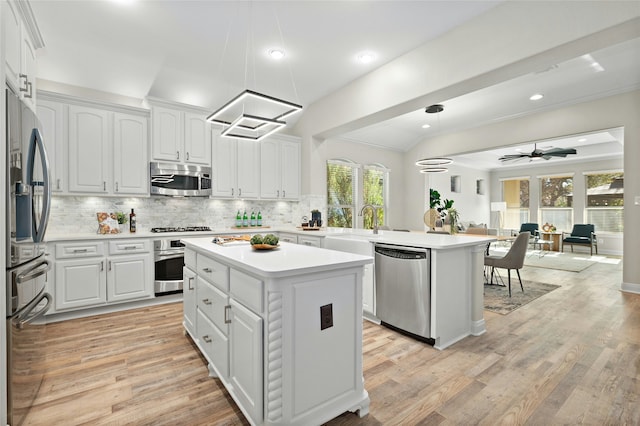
[[290, 170], [51, 128], [310, 241], [80, 283], [197, 139], [12, 35], [245, 359], [269, 169], [223, 162], [368, 290], [214, 343], [167, 135], [89, 150], [189, 299], [130, 165], [248, 169], [29, 65], [129, 277]]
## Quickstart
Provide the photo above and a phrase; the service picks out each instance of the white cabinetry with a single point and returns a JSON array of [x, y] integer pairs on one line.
[[22, 39], [288, 237], [51, 115], [189, 291], [86, 276], [107, 152], [180, 136], [307, 240], [280, 168], [236, 165]]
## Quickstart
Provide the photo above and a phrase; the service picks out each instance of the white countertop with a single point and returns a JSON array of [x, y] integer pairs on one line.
[[287, 260]]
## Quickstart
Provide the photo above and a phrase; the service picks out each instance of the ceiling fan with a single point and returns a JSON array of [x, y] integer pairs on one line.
[[538, 153]]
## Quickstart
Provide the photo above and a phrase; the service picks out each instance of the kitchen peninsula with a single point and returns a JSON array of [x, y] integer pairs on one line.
[[281, 329]]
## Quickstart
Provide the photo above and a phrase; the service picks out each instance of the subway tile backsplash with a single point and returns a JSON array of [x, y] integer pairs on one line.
[[78, 214]]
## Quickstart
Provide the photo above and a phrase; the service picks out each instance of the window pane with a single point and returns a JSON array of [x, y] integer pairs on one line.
[[605, 190], [561, 218], [374, 182], [341, 179], [606, 219], [556, 192], [515, 192]]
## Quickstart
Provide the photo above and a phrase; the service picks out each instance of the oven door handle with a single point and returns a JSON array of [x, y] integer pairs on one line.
[[160, 256], [28, 315], [33, 273]]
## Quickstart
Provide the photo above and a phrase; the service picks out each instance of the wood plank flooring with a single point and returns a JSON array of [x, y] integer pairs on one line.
[[570, 357]]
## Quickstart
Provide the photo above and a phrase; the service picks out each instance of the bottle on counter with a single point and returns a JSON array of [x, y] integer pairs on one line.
[[238, 220], [245, 219], [259, 220], [253, 219], [132, 221]]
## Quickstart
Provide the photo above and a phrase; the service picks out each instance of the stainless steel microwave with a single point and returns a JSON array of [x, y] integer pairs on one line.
[[180, 180]]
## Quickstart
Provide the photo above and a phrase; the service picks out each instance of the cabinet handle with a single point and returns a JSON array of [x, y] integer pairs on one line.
[[58, 183], [206, 301], [80, 250], [207, 339], [232, 191], [30, 91], [190, 283], [102, 265], [26, 83], [187, 156], [116, 186], [307, 243], [104, 185], [177, 155], [129, 247], [207, 270], [239, 192], [227, 317], [278, 195], [109, 263], [284, 195]]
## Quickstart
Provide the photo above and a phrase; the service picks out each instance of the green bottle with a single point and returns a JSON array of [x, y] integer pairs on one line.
[[238, 220], [253, 219], [259, 219], [245, 219]]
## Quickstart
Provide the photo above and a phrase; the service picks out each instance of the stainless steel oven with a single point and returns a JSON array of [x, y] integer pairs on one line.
[[169, 260]]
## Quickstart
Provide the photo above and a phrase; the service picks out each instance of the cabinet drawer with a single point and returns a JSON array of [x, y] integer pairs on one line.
[[310, 241], [80, 249], [247, 290], [214, 272], [288, 238], [214, 344], [129, 246], [190, 259], [213, 303]]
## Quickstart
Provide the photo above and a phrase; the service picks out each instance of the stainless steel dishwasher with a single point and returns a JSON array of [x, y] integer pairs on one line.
[[403, 289]]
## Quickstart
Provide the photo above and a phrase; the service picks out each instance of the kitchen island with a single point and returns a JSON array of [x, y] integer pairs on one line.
[[281, 329]]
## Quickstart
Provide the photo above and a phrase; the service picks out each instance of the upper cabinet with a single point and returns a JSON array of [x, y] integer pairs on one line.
[[235, 167], [22, 39], [95, 148], [180, 136], [280, 168]]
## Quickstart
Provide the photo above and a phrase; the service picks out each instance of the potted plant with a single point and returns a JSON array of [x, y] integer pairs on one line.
[[122, 220], [439, 209]]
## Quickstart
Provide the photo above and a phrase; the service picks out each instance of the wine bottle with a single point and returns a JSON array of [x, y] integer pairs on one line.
[[259, 219], [245, 219], [253, 218], [132, 221], [238, 220]]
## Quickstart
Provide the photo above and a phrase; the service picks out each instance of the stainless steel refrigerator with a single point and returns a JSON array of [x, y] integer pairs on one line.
[[28, 202]]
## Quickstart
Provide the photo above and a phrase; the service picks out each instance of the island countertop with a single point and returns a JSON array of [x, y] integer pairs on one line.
[[287, 260]]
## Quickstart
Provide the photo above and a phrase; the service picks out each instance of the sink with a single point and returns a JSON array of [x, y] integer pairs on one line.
[[351, 243]]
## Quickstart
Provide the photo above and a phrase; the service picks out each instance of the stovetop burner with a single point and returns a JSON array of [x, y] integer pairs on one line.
[[182, 229]]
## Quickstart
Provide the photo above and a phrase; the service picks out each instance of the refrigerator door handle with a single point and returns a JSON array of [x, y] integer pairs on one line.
[[36, 143], [28, 315], [35, 272]]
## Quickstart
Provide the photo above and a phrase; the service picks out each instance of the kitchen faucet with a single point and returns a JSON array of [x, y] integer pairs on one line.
[[374, 210]]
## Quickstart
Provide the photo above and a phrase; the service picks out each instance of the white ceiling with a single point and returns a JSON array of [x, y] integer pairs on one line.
[[205, 52]]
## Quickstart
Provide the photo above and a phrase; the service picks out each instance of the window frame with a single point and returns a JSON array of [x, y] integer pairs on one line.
[[546, 210], [523, 212], [355, 177], [588, 209], [385, 193]]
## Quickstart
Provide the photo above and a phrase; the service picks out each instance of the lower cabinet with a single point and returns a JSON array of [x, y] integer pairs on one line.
[[189, 298], [86, 277]]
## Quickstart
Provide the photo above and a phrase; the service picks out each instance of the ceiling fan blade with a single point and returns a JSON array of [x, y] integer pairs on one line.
[[559, 152], [510, 157]]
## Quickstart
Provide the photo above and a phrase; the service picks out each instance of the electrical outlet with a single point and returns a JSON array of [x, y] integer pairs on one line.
[[326, 316]]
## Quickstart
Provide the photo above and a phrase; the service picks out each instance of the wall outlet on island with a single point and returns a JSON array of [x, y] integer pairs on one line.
[[326, 316]]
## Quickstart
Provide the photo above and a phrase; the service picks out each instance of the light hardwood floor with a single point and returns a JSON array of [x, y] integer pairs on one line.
[[570, 357]]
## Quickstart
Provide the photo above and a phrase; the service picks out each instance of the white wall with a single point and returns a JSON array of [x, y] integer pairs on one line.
[[471, 207]]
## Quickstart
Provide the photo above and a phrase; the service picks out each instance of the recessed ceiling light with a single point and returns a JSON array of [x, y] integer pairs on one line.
[[125, 2], [366, 57], [536, 97], [582, 140], [276, 53], [426, 126]]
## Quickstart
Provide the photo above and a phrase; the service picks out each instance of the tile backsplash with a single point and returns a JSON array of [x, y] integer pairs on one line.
[[78, 214]]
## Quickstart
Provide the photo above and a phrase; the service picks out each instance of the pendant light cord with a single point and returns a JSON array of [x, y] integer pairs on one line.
[[293, 82]]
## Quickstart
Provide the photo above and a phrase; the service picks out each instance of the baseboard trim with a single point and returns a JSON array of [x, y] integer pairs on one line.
[[630, 288], [478, 328]]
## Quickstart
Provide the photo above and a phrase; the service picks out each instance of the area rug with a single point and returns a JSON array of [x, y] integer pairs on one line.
[[496, 298], [573, 262]]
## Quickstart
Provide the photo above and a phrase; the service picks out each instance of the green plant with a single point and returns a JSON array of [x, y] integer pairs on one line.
[[454, 218], [442, 206], [122, 218]]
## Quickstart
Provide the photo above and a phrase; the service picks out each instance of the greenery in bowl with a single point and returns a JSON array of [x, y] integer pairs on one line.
[[122, 218]]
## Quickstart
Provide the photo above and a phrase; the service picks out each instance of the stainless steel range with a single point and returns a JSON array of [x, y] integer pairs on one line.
[[169, 260]]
